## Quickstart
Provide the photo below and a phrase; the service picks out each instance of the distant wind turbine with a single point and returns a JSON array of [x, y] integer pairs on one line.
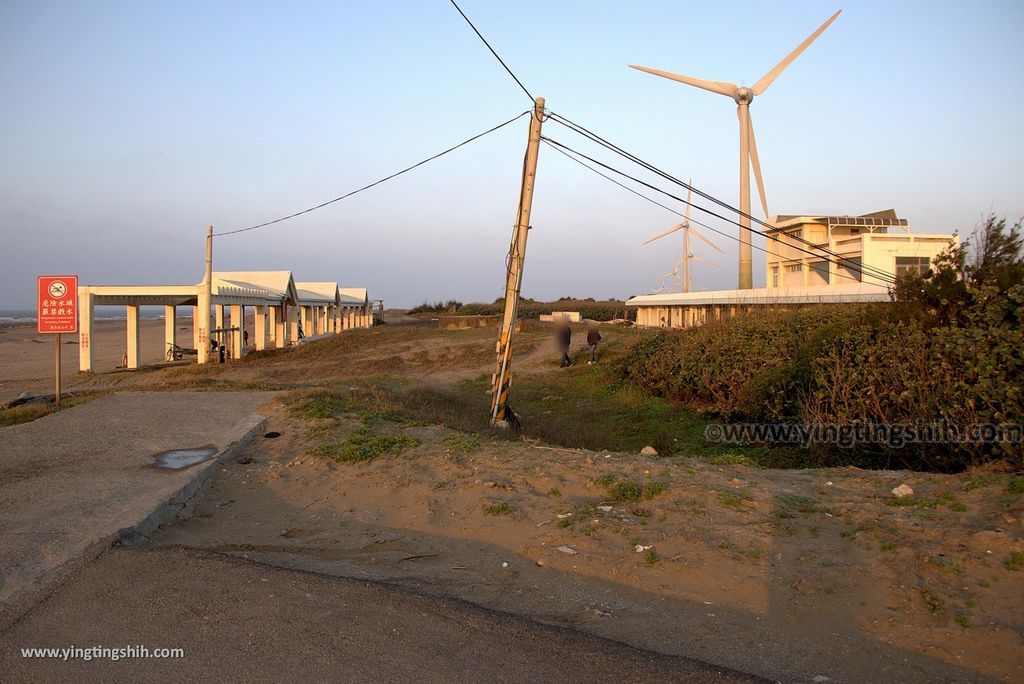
[[748, 147], [686, 274]]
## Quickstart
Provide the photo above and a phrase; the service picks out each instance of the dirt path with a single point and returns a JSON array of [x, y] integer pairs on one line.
[[787, 574]]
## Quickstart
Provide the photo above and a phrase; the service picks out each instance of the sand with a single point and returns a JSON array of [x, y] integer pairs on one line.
[[27, 358]]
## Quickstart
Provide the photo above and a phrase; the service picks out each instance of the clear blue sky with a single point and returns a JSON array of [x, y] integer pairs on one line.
[[128, 127]]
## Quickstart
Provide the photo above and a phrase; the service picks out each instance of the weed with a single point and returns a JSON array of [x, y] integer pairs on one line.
[[888, 545], [652, 557], [984, 583], [555, 492], [1015, 561], [1015, 487], [814, 532], [319, 405], [362, 445], [934, 603], [734, 499], [979, 481], [631, 490], [499, 508], [463, 443], [789, 505], [962, 619]]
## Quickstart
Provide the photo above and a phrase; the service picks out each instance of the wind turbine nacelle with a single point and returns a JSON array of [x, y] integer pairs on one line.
[[743, 94]]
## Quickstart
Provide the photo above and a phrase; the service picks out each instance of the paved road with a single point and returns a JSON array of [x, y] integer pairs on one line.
[[71, 480], [246, 622]]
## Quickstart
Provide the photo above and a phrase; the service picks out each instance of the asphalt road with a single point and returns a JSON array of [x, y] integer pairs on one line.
[[245, 622]]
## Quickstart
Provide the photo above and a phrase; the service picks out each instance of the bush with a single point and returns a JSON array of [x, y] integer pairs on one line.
[[529, 308], [451, 306], [948, 356]]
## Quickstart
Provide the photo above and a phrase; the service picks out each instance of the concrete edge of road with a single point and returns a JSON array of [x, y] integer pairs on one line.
[[179, 504], [182, 502]]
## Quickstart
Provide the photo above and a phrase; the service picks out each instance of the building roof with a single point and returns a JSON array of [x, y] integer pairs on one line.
[[318, 293], [277, 284], [353, 296], [853, 292], [878, 219]]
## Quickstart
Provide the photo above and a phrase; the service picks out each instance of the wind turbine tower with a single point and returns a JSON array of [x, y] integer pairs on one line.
[[683, 270], [748, 148]]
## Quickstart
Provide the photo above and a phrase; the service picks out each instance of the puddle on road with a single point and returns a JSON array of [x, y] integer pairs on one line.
[[176, 459]]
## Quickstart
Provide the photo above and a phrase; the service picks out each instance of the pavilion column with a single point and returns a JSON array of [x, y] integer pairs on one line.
[[304, 322], [337, 320], [170, 327], [195, 327], [260, 333], [85, 311], [293, 323], [238, 323], [273, 320], [218, 314], [133, 336], [280, 328]]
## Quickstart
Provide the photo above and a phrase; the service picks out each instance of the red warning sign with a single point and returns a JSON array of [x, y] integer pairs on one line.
[[57, 304]]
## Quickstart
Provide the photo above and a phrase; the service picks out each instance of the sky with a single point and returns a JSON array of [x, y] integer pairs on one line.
[[129, 127]]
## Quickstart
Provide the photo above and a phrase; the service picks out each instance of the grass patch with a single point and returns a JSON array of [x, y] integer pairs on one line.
[[26, 413], [734, 499], [362, 446], [652, 557], [934, 603], [624, 489], [319, 405], [499, 508], [1015, 561], [790, 505], [555, 492], [962, 619], [1015, 487], [463, 443]]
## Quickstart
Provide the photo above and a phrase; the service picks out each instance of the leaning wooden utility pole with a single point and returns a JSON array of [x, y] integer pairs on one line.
[[501, 415]]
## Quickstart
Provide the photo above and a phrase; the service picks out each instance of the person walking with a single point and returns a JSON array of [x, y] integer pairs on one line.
[[564, 336], [593, 337]]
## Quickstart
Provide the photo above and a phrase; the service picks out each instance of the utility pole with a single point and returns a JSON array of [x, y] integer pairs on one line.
[[203, 303], [501, 415]]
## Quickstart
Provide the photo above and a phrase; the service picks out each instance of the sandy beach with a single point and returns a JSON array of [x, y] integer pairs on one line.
[[27, 358]]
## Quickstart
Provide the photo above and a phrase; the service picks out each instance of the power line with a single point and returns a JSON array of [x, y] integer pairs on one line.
[[667, 208], [377, 182], [480, 35], [695, 206], [590, 135]]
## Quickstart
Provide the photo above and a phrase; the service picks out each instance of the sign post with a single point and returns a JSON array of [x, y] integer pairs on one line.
[[57, 313]]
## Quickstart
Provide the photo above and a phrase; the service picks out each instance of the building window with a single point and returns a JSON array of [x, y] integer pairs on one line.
[[775, 276], [795, 268], [906, 265]]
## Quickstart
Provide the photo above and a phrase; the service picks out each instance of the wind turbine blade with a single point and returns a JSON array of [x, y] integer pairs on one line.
[[704, 261], [767, 79], [756, 163], [667, 232], [693, 231], [719, 87], [670, 273]]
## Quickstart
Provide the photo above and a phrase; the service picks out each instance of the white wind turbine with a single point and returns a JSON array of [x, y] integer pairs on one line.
[[748, 148], [683, 268]]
